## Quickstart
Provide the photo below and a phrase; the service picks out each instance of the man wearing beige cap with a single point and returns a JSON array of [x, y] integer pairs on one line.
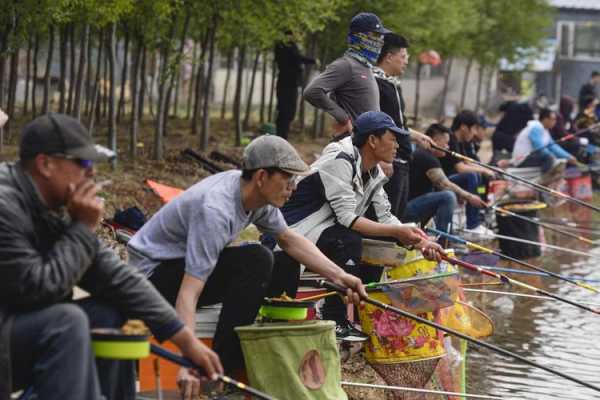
[[183, 247]]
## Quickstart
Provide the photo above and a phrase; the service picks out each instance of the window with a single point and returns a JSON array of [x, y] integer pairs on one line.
[[564, 40], [586, 40]]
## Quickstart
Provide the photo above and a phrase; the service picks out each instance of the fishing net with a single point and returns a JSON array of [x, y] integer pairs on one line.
[[411, 374], [467, 319]]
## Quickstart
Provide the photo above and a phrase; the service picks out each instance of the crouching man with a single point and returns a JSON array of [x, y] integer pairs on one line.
[[330, 206], [183, 247], [47, 246]]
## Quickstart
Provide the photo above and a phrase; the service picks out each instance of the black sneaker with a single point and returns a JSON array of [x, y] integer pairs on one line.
[[346, 332]]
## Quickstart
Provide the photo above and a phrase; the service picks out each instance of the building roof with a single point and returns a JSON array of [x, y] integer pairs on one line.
[[576, 4]]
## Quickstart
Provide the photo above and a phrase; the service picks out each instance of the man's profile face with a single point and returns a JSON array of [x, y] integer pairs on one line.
[[398, 61], [549, 121], [441, 140], [277, 187], [64, 172], [385, 147]]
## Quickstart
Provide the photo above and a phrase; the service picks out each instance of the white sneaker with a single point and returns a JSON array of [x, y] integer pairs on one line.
[[481, 233]]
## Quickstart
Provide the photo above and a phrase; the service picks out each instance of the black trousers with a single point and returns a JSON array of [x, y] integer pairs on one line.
[[287, 98], [243, 276], [344, 247], [51, 351], [397, 188]]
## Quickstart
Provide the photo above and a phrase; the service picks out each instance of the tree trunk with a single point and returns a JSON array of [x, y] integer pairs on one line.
[[251, 91], [63, 37], [80, 71], [104, 87], [318, 121], [263, 87], [207, 83], [312, 43], [162, 95], [3, 53], [142, 82], [488, 89], [191, 82], [135, 75], [112, 100], [272, 94], [36, 49], [97, 91], [237, 102], [199, 84], [463, 94], [226, 85], [153, 67], [121, 109], [174, 75], [479, 85], [12, 88], [72, 69], [46, 102], [447, 72], [89, 76], [417, 93], [27, 75]]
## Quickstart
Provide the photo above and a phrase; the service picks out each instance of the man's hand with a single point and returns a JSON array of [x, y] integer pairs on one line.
[[572, 161], [83, 205], [422, 140], [355, 288], [198, 353], [341, 127], [409, 235], [489, 173], [188, 384], [476, 201], [431, 250]]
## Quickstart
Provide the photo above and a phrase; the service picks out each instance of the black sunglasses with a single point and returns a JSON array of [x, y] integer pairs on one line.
[[85, 164]]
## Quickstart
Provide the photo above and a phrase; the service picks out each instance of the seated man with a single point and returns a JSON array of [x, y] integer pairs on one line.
[[183, 247], [329, 205], [426, 173], [47, 245], [468, 176], [535, 147]]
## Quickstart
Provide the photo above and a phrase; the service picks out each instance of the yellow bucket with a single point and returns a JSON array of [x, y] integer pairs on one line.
[[395, 339], [416, 265]]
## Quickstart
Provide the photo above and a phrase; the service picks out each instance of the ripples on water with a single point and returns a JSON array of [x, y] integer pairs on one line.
[[548, 332]]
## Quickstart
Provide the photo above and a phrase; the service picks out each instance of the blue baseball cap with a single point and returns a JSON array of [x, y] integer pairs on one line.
[[367, 22], [371, 121]]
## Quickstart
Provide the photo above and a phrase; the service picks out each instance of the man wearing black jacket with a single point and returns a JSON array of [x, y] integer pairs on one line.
[[48, 214], [391, 64], [289, 63]]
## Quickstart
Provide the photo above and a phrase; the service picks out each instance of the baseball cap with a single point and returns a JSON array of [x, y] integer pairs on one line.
[[371, 121], [367, 22], [60, 134], [270, 151]]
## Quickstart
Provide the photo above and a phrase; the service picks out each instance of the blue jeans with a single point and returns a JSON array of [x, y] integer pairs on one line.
[[439, 205], [542, 159], [469, 181]]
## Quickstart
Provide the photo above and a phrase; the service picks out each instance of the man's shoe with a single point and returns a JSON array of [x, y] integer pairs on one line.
[[481, 233], [346, 332], [555, 173]]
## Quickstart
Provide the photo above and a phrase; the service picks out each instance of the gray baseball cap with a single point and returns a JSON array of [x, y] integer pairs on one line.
[[270, 151]]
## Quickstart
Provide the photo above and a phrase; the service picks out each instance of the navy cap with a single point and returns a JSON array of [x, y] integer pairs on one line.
[[367, 22], [371, 121]]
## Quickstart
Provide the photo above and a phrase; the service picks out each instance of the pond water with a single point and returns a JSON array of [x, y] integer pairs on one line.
[[548, 332]]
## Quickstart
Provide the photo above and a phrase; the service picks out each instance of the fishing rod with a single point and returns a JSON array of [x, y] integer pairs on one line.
[[340, 289], [533, 273], [534, 185], [558, 141], [546, 245], [184, 362], [515, 282], [530, 296], [552, 228], [509, 258], [417, 390]]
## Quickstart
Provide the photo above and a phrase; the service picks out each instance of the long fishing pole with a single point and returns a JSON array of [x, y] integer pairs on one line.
[[340, 289], [546, 245], [533, 273], [534, 185], [184, 362], [515, 282], [417, 390], [504, 211], [529, 296], [509, 258]]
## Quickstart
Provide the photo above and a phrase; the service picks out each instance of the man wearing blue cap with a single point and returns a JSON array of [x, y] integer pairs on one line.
[[349, 79], [329, 205]]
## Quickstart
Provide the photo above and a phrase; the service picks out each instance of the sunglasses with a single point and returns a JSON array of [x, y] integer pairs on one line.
[[85, 164]]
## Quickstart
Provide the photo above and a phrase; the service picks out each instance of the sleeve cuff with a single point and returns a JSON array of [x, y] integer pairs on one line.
[[167, 330]]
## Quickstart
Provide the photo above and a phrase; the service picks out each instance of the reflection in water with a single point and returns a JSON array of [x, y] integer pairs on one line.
[[548, 332]]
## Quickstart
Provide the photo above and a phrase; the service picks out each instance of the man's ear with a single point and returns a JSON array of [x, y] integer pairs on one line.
[[44, 165], [260, 177], [371, 140]]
